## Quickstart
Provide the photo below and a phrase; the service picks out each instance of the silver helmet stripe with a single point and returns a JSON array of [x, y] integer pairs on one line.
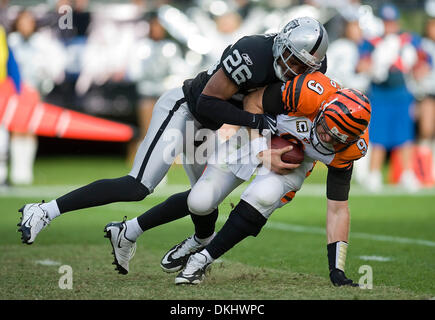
[[319, 40]]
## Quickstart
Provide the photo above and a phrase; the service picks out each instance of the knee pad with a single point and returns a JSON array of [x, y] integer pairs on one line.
[[248, 219], [202, 199], [263, 197]]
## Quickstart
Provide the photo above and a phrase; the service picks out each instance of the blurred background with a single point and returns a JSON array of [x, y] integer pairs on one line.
[[113, 59]]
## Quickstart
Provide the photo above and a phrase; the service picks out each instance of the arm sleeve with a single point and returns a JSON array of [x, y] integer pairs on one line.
[[338, 183], [221, 111], [272, 99]]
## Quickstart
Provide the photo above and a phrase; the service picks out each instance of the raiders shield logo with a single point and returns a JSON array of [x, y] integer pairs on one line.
[[301, 126]]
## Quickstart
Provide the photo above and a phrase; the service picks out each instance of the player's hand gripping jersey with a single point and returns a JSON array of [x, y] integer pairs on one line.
[[302, 100]]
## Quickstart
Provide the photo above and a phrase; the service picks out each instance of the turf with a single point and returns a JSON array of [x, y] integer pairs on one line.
[[287, 261]]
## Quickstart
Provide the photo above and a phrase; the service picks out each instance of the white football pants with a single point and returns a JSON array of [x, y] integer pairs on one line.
[[171, 132], [267, 192]]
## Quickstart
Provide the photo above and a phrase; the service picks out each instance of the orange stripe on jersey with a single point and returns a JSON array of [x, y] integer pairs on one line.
[[288, 197], [287, 94], [357, 150], [303, 95], [310, 171]]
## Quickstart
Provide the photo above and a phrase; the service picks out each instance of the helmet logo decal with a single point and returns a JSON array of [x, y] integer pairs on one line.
[[341, 136], [291, 25]]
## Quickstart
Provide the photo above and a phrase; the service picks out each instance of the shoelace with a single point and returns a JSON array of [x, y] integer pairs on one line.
[[194, 263], [187, 247], [45, 219]]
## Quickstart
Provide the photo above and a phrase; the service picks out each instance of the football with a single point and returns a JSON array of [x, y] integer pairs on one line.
[[295, 156]]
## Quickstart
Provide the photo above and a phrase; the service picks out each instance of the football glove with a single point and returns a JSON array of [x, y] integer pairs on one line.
[[338, 279], [265, 122]]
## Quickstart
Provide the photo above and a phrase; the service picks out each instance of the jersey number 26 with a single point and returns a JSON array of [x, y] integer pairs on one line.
[[233, 65]]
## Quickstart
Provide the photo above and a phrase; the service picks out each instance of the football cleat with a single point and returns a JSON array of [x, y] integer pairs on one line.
[[33, 220], [176, 258], [195, 270], [123, 249]]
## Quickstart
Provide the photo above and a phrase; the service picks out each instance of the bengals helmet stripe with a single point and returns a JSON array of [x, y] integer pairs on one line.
[[360, 95], [354, 100], [347, 112], [340, 114], [345, 116], [343, 122]]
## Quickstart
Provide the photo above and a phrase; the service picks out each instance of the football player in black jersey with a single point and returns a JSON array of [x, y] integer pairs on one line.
[[213, 98]]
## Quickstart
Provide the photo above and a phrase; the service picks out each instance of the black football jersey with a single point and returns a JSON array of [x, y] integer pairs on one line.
[[248, 63]]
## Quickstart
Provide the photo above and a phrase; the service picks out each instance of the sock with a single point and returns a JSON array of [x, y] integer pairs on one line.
[[243, 221], [225, 239], [133, 229], [205, 241], [103, 192], [51, 208], [207, 254], [175, 207], [204, 225]]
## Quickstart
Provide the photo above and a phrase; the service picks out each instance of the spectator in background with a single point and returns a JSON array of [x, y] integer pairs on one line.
[[156, 65], [5, 21], [389, 59], [344, 58], [426, 110], [41, 60]]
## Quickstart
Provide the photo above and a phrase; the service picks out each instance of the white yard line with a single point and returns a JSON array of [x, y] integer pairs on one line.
[[375, 258], [309, 190], [48, 262], [360, 235], [282, 226]]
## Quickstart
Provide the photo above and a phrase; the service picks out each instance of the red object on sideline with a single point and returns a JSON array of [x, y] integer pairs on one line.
[[421, 165], [27, 113]]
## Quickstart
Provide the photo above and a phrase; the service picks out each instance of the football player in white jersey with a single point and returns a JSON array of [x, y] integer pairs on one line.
[[331, 124]]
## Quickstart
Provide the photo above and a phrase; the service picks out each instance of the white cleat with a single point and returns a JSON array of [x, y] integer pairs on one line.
[[176, 258], [33, 220], [195, 270], [123, 248]]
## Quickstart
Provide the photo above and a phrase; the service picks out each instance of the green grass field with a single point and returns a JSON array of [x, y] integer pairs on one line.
[[393, 233]]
